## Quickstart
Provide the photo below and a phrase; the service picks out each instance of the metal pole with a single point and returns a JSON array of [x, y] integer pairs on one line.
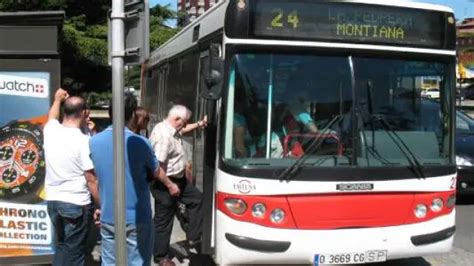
[[118, 47], [269, 110]]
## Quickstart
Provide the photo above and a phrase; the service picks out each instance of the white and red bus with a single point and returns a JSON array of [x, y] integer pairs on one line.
[[320, 148]]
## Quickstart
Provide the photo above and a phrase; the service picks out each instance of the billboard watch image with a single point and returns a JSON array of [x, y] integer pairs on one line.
[[25, 228]]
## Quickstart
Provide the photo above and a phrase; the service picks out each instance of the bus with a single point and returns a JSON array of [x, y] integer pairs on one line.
[[320, 148]]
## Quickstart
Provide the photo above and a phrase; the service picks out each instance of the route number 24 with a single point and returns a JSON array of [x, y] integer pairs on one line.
[[278, 18]]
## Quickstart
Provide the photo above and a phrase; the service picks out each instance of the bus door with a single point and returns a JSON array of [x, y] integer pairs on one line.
[[204, 158]]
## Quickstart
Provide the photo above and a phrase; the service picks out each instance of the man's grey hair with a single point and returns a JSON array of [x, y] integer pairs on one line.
[[180, 111]]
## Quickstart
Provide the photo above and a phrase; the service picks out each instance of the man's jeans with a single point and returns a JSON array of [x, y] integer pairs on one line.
[[71, 223], [139, 244]]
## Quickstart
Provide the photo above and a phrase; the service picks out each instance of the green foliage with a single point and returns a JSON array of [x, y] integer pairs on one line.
[[90, 44], [162, 12], [31, 5], [84, 39], [160, 35]]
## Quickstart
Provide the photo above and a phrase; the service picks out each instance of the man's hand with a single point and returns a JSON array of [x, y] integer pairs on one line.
[[96, 216], [203, 122], [173, 189], [61, 95]]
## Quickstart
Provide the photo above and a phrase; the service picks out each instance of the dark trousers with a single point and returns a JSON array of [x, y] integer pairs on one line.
[[165, 210], [71, 226]]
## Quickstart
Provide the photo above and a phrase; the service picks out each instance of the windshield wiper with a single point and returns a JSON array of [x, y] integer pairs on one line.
[[292, 169], [375, 153], [414, 162]]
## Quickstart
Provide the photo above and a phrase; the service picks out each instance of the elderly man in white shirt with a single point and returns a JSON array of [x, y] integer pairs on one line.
[[173, 187]]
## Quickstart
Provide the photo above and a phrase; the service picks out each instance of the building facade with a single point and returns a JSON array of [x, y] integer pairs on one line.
[[465, 47], [189, 10]]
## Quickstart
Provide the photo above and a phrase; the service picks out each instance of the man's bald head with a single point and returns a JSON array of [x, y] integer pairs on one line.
[[74, 107]]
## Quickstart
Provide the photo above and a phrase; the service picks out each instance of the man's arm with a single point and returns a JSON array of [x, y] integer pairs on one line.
[[199, 124], [160, 174], [60, 96], [312, 127], [160, 150], [305, 118], [92, 184]]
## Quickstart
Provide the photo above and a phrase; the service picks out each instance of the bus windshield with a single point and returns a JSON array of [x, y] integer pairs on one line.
[[336, 111]]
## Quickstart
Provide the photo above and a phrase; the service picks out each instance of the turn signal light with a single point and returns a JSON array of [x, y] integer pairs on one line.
[[236, 206]]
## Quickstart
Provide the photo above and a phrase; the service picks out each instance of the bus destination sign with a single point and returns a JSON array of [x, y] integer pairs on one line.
[[348, 22]]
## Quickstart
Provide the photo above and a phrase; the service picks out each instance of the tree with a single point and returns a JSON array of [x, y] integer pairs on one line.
[[159, 34], [83, 41]]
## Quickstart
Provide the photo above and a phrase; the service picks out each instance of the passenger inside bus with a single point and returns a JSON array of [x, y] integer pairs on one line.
[[244, 144], [249, 132], [309, 101]]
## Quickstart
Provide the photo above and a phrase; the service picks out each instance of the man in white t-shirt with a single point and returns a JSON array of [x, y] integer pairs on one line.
[[70, 179]]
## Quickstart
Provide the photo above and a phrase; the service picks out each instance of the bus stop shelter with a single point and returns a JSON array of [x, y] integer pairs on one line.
[[30, 72]]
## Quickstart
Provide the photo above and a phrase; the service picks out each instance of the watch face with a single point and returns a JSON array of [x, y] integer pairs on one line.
[[21, 160]]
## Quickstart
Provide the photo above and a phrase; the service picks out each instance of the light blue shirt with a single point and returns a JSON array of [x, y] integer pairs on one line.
[[140, 164]]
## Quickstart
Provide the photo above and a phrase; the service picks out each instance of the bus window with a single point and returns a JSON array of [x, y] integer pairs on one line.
[[278, 104], [390, 91]]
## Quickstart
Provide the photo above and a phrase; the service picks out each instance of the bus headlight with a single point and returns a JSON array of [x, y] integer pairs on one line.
[[437, 205], [277, 216], [420, 211], [258, 210], [236, 206]]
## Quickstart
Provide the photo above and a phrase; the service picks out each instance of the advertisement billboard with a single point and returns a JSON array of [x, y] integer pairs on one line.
[[25, 227]]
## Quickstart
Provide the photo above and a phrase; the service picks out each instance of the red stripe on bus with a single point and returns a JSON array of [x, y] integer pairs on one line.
[[339, 211]]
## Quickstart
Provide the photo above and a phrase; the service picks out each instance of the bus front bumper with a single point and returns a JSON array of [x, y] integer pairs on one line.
[[242, 243]]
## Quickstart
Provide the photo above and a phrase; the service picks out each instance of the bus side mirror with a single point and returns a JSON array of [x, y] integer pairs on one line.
[[212, 74]]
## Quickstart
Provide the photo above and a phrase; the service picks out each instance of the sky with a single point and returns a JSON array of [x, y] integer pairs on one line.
[[462, 8]]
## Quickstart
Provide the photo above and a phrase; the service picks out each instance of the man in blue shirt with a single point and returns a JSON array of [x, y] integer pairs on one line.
[[140, 164]]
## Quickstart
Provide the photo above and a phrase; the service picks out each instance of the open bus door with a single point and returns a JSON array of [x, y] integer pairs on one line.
[[210, 81]]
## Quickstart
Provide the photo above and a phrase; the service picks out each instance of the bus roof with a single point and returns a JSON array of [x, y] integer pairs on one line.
[[212, 21], [405, 3]]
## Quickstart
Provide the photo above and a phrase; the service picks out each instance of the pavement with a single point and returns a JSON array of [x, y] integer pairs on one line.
[[462, 253]]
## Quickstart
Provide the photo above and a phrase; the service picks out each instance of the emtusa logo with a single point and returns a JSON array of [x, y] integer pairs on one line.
[[21, 84], [244, 186]]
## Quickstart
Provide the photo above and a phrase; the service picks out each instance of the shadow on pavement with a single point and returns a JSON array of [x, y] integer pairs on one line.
[[404, 262], [189, 256]]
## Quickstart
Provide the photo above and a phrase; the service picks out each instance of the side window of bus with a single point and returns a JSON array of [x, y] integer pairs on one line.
[[179, 90], [151, 90]]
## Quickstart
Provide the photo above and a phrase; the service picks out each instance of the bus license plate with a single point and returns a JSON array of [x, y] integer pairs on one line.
[[350, 258]]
